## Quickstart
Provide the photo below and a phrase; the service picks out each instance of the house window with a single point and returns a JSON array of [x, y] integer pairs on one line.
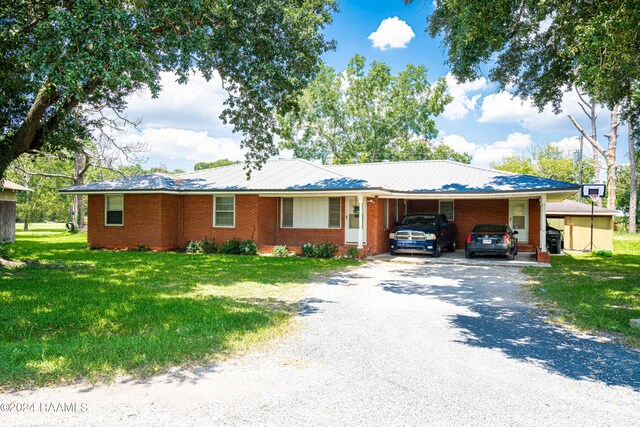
[[386, 214], [335, 212], [114, 209], [287, 212], [224, 211], [447, 208], [311, 212]]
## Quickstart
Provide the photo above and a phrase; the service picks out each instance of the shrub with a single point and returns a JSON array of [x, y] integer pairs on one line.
[[208, 246], [248, 247], [193, 247], [353, 253], [324, 250], [4, 252], [231, 247], [280, 251], [142, 248]]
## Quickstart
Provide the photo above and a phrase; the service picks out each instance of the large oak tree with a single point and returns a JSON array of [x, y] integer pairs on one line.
[[58, 56]]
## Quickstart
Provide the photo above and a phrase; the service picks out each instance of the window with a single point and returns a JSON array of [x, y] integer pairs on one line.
[[311, 212], [447, 208], [224, 214], [114, 209], [335, 212], [287, 212], [386, 214]]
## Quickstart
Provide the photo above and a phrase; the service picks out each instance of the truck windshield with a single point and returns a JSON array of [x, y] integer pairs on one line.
[[419, 219]]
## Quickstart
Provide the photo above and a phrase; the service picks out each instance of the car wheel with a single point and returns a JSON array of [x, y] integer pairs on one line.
[[452, 246], [393, 253], [511, 256], [437, 251], [468, 254]]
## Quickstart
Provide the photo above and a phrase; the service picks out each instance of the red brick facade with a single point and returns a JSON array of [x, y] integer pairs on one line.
[[164, 221]]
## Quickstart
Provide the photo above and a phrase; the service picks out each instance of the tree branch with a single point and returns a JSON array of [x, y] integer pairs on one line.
[[593, 143]]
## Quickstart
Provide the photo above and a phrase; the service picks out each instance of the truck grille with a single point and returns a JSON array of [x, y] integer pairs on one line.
[[410, 235]]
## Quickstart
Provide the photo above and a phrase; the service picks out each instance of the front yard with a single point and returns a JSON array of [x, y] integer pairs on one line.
[[594, 293], [92, 315]]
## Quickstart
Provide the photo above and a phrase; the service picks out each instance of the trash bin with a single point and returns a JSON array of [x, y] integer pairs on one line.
[[554, 240]]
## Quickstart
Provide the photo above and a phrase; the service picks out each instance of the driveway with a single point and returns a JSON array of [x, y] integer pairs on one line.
[[390, 344]]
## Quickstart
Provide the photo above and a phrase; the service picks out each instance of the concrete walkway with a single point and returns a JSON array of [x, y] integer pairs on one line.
[[386, 344]]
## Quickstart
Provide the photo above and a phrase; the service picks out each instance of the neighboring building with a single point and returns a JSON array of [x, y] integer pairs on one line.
[[8, 191], [292, 202], [574, 219]]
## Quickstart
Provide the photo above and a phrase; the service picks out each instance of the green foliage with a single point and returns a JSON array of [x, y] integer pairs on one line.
[[319, 250], [204, 246], [280, 251], [210, 165], [353, 253], [366, 115], [4, 251], [108, 313], [231, 247], [623, 189], [542, 48], [548, 162], [604, 253], [58, 56], [248, 247], [142, 248]]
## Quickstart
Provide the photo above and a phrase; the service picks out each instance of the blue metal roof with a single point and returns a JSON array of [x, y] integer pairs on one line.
[[420, 177]]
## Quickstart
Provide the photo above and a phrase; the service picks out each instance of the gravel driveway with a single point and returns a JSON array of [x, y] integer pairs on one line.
[[390, 344]]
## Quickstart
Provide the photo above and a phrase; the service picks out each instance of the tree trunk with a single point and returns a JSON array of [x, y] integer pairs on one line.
[[596, 157], [633, 189], [78, 200], [25, 227], [610, 157]]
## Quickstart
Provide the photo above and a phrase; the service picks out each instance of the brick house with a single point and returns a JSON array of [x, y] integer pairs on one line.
[[292, 202]]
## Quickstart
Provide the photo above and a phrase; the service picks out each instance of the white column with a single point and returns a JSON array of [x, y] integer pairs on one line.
[[362, 206], [543, 223]]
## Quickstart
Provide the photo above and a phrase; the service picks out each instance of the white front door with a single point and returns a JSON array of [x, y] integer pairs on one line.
[[519, 219], [353, 220]]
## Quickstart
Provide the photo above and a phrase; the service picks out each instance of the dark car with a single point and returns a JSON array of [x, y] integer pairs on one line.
[[423, 234], [491, 239]]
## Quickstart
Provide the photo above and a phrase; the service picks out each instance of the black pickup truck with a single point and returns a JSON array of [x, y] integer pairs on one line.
[[423, 234]]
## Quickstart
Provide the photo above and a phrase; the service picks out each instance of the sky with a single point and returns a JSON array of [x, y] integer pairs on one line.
[[182, 126]]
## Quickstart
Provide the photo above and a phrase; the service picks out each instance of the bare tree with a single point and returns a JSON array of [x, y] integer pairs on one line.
[[589, 108]]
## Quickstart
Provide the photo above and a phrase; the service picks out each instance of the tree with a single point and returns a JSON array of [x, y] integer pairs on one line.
[[56, 56], [547, 162], [364, 115], [215, 164]]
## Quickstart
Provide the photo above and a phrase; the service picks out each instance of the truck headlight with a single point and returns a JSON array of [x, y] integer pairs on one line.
[[392, 235], [430, 236]]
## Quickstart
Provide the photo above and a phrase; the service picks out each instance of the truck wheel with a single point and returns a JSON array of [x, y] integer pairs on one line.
[[511, 256], [437, 251], [468, 254], [452, 246]]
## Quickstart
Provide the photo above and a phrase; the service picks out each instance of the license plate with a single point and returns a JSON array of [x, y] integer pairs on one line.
[[486, 241]]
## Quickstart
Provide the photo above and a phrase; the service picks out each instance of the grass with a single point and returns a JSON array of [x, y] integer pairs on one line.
[[594, 293], [94, 315]]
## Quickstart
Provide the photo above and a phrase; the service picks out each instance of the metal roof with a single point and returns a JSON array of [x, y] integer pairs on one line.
[[419, 177], [573, 208], [5, 184]]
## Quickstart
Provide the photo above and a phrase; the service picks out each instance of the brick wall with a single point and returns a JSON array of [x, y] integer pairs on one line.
[[162, 221]]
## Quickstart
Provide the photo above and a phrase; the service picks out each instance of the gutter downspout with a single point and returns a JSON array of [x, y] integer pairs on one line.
[[360, 221], [543, 223]]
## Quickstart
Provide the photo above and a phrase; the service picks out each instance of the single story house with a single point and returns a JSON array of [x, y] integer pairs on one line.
[[292, 202], [8, 191], [574, 219]]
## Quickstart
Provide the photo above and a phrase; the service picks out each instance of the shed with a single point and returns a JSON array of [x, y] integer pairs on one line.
[[8, 191], [574, 219]]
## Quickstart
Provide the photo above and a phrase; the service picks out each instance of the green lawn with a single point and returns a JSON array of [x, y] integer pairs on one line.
[[93, 315], [593, 293]]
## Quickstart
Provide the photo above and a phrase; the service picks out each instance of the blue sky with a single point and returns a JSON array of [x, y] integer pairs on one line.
[[182, 126]]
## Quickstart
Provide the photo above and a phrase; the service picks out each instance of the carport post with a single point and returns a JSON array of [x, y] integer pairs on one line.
[[360, 222], [543, 223]]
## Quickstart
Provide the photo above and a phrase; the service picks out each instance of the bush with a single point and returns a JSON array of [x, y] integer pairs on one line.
[[4, 252], [208, 246], [248, 247], [142, 248], [193, 247], [280, 251], [324, 250], [231, 247], [353, 253]]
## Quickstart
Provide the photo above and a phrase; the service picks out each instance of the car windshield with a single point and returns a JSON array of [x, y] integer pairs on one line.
[[419, 219], [490, 228]]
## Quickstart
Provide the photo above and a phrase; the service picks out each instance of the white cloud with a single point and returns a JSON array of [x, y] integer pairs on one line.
[[392, 33], [503, 107], [167, 144], [570, 146], [195, 105], [462, 103], [484, 154]]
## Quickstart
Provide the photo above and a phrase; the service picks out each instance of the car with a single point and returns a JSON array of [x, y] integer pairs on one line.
[[426, 233], [491, 239]]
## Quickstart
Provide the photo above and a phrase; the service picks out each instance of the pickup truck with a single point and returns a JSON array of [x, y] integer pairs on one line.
[[423, 234]]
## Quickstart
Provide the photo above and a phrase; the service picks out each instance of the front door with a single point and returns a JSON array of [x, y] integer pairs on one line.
[[519, 219], [353, 221]]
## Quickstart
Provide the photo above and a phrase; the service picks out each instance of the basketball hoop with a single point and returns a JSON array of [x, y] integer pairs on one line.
[[594, 192]]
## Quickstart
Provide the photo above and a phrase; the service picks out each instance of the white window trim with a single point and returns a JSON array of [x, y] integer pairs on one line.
[[214, 211], [453, 205], [106, 196], [282, 212], [293, 227]]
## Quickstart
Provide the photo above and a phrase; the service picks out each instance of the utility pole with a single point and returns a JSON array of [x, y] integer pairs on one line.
[[580, 168]]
